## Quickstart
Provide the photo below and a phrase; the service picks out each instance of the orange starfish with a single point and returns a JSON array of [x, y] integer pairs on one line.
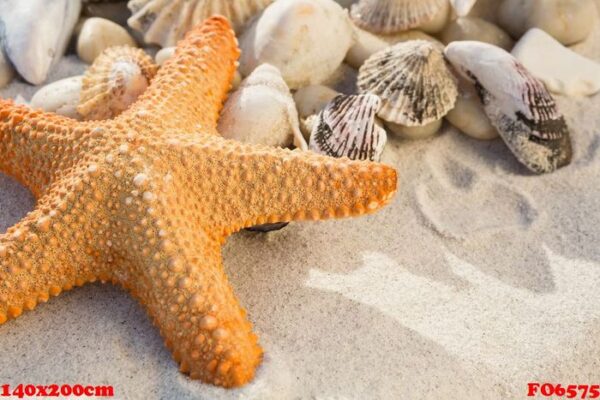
[[146, 200]]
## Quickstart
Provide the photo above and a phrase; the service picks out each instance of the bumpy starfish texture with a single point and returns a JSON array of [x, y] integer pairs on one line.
[[146, 200]]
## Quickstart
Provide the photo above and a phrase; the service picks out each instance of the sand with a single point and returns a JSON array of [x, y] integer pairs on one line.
[[477, 279]]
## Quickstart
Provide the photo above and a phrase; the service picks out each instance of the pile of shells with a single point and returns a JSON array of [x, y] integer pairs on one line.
[[334, 77]]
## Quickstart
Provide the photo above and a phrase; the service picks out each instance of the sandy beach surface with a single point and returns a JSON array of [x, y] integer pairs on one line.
[[476, 280]]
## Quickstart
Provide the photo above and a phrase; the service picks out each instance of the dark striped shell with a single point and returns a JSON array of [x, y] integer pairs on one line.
[[347, 127], [413, 81]]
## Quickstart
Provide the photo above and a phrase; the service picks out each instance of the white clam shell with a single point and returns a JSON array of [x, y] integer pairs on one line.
[[392, 16], [262, 111], [36, 34], [568, 21], [306, 40], [60, 97], [561, 69], [348, 127], [413, 81], [164, 22], [518, 104], [114, 81]]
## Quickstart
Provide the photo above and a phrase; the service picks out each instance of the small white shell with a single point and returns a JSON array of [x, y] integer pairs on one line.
[[347, 127], [114, 81], [164, 22], [391, 16], [306, 40], [262, 111], [413, 81], [561, 69], [518, 105]]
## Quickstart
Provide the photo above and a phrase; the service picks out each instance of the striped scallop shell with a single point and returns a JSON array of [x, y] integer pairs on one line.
[[347, 127], [392, 16], [413, 81], [114, 81], [164, 22]]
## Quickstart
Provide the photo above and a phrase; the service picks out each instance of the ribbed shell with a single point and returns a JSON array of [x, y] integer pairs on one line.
[[392, 16], [114, 81], [517, 103], [164, 22], [347, 128], [413, 80]]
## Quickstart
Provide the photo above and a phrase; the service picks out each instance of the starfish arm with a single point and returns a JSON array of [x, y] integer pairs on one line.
[[33, 144], [40, 257], [188, 92], [266, 185], [187, 294]]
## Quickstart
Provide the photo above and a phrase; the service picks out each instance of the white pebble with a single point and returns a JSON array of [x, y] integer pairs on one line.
[[98, 34], [60, 97]]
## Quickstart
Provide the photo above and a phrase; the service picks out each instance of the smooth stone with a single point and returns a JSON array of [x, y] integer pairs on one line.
[[415, 132], [368, 43], [35, 34], [562, 70], [472, 28], [7, 72], [164, 54], [468, 115], [98, 34], [60, 97], [568, 21], [485, 9], [438, 22], [113, 11]]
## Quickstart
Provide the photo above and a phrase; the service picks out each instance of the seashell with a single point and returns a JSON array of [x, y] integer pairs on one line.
[[415, 132], [462, 8], [518, 105], [468, 115], [472, 28], [60, 97], [367, 43], [306, 40], [413, 81], [568, 21], [114, 81], [347, 127], [561, 69], [392, 16], [35, 34], [164, 22], [262, 111], [97, 35]]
